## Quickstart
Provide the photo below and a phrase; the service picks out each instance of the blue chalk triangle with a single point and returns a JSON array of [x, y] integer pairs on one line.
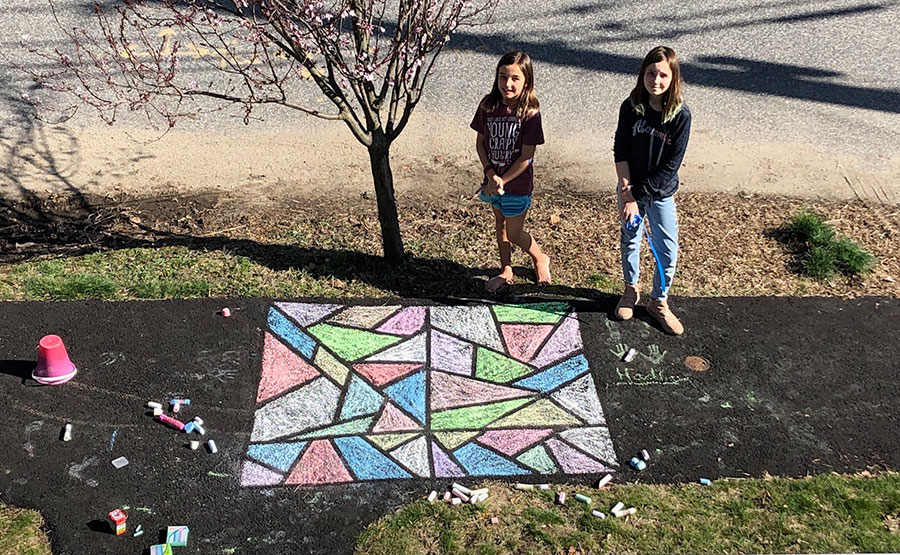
[[366, 462], [479, 461], [555, 376], [276, 455], [409, 393], [361, 399], [290, 333]]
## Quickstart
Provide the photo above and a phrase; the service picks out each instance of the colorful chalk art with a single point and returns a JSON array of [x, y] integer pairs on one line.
[[359, 393]]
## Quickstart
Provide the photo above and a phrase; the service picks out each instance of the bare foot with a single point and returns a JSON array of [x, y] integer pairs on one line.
[[497, 282], [542, 269]]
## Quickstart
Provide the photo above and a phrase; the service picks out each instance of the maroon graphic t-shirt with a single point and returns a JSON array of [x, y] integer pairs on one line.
[[504, 134]]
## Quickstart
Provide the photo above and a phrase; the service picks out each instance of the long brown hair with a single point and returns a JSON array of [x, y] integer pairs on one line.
[[527, 104], [673, 98]]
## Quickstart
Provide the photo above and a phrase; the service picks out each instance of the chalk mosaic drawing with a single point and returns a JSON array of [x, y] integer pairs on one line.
[[358, 393]]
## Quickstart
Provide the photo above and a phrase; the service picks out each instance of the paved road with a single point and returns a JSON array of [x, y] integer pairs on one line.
[[801, 98], [794, 386], [825, 73]]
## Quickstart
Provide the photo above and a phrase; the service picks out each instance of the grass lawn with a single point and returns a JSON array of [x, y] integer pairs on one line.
[[21, 533], [828, 513]]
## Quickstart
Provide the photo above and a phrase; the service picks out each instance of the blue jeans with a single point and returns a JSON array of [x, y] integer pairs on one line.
[[664, 235]]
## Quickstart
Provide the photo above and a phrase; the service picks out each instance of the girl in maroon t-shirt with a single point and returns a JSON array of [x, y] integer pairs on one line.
[[508, 122]]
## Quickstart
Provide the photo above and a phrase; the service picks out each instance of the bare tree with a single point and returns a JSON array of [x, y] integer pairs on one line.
[[370, 58]]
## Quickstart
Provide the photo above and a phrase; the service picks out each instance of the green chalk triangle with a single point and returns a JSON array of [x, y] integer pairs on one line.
[[326, 362], [476, 416], [452, 440], [493, 366], [351, 344], [389, 441], [541, 413], [536, 313], [352, 427], [538, 459]]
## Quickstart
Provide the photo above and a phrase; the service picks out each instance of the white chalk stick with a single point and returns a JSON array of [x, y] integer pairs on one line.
[[629, 356], [212, 446], [463, 489], [598, 514], [544, 486], [605, 480], [157, 411], [455, 501], [198, 421], [120, 462], [67, 433], [153, 405], [195, 445], [432, 496], [618, 507]]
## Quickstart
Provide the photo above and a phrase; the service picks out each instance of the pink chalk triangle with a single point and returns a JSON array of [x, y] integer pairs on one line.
[[407, 321], [282, 369], [511, 442], [380, 373], [523, 340], [451, 390], [394, 420], [319, 464]]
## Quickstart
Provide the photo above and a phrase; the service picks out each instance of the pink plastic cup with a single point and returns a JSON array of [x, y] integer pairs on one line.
[[54, 366]]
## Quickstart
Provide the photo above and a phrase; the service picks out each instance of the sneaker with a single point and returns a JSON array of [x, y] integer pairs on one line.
[[625, 306], [659, 309]]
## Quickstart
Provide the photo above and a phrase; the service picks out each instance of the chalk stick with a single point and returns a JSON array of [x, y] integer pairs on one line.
[[626, 512], [617, 507], [479, 491], [705, 481], [561, 498], [455, 501], [524, 487], [463, 489], [212, 446], [583, 498], [153, 405], [432, 496], [189, 427], [495, 520], [199, 429], [67, 433], [174, 422], [460, 494], [198, 421], [195, 445], [629, 356], [598, 514], [157, 411], [226, 312], [544, 486], [645, 455], [120, 462], [447, 496], [605, 480]]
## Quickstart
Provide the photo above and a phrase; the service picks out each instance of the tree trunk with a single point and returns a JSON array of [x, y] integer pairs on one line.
[[379, 156]]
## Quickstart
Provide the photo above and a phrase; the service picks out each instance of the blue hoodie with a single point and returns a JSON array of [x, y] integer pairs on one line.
[[653, 149]]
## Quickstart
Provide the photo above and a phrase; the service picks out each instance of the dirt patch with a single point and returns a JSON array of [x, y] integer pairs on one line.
[[730, 244]]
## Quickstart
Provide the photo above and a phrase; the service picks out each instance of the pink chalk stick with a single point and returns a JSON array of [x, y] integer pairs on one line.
[[226, 312], [171, 421]]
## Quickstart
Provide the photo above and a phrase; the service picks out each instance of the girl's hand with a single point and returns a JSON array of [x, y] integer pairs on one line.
[[629, 211], [498, 181], [494, 184]]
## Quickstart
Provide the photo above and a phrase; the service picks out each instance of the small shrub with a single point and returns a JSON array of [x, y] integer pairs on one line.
[[826, 254]]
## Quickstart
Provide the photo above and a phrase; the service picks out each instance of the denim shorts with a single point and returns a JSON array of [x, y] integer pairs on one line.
[[510, 205]]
